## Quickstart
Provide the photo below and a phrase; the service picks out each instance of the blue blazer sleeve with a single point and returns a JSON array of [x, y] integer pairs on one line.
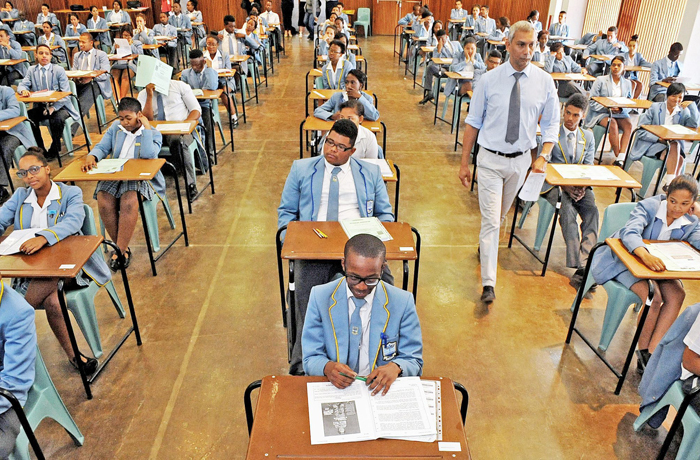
[[410, 346], [382, 205], [289, 203], [595, 91], [631, 233], [19, 346], [11, 109], [312, 337], [151, 142], [9, 210], [589, 152], [647, 118], [72, 222], [549, 63], [656, 73], [326, 110], [690, 116], [371, 112], [104, 148], [26, 83]]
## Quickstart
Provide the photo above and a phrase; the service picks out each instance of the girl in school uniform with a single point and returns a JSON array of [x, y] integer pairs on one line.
[[501, 30], [56, 211], [612, 85], [336, 69], [124, 70], [657, 218], [74, 29], [340, 26], [255, 46], [468, 61], [328, 36], [470, 23], [164, 29], [9, 11], [49, 38], [668, 112], [432, 40], [541, 48], [217, 59], [633, 58], [354, 91], [195, 16], [118, 15], [534, 19], [145, 35], [350, 57], [47, 15], [98, 22]]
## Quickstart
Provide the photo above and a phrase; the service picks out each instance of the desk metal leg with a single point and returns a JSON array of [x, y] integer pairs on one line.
[[71, 336], [437, 97], [94, 99], [301, 139], [149, 244], [85, 132], [235, 109], [605, 137], [280, 273], [417, 263], [7, 173], [663, 166], [292, 323], [626, 164], [383, 137], [398, 189]]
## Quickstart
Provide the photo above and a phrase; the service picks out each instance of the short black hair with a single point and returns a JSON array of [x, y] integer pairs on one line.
[[229, 18], [556, 47], [426, 14], [337, 43], [338, 36], [44, 45], [126, 28], [194, 3], [562, 12], [360, 75], [441, 32], [577, 100], [612, 29], [213, 35], [38, 153], [92, 6], [504, 21], [541, 34], [533, 13], [355, 105], [684, 182], [46, 5], [129, 104], [470, 39], [618, 58], [118, 2], [6, 32], [675, 88], [676, 47], [196, 54], [495, 54], [367, 246], [332, 27], [345, 128]]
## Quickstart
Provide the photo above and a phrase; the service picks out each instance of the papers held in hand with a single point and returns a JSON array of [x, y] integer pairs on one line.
[[676, 256], [353, 414], [152, 70], [123, 47], [365, 225], [16, 239], [532, 187], [108, 166]]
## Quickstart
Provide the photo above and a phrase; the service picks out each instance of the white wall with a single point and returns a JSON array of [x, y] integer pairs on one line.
[[689, 36], [576, 13]]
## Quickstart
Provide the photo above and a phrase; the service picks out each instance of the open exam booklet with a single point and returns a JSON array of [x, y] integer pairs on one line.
[[410, 410]]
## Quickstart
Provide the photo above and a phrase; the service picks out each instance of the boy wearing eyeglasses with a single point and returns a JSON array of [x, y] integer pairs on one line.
[[332, 187]]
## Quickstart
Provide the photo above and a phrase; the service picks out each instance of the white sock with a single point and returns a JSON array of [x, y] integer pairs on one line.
[[667, 179]]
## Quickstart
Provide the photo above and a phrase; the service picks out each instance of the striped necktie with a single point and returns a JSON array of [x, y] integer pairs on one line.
[[355, 336]]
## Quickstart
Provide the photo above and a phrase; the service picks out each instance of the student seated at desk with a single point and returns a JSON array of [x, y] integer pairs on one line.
[[423, 25], [558, 62], [359, 325], [182, 23], [218, 59], [341, 28], [610, 46], [74, 29], [129, 137], [541, 48], [164, 29], [195, 16], [90, 58], [56, 211], [493, 60], [328, 36], [445, 49], [145, 35], [457, 14], [9, 11], [46, 76], [366, 146], [47, 15], [668, 112], [575, 146], [470, 23], [200, 76], [97, 22], [657, 218], [354, 85], [336, 69], [484, 24], [18, 352], [467, 61], [612, 85], [341, 13], [665, 70], [534, 19], [501, 31], [272, 19], [309, 195], [411, 18], [179, 105], [12, 138], [10, 49], [560, 28], [432, 39], [348, 56], [23, 25], [252, 42], [118, 15], [124, 70], [633, 58], [51, 39]]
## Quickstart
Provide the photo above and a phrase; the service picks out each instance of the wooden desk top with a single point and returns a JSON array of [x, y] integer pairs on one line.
[[128, 57], [54, 97], [164, 38], [11, 123], [10, 19], [458, 21], [393, 178], [67, 11], [325, 94], [281, 428], [71, 253], [11, 62], [22, 32], [92, 31], [33, 48], [427, 49], [165, 132], [537, 64], [136, 169], [209, 94], [115, 25], [666, 134], [153, 46], [442, 61], [239, 58], [482, 34], [626, 181], [92, 74], [228, 73], [688, 86], [315, 73], [602, 57], [637, 68], [302, 243], [637, 267], [316, 124], [572, 76], [70, 38], [497, 42], [560, 37], [456, 76], [578, 47], [197, 23], [610, 104], [353, 47], [409, 31]]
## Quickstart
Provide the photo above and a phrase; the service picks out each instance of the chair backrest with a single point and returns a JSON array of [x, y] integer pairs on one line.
[[615, 217], [363, 14], [88, 227], [75, 93]]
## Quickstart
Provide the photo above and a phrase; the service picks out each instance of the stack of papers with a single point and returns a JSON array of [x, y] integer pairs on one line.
[[163, 37], [383, 166], [78, 73], [365, 225], [43, 93], [352, 414], [680, 129], [677, 256], [197, 92], [183, 127], [109, 166], [16, 239], [585, 172], [622, 101], [220, 71], [152, 70], [4, 61], [467, 74], [123, 47]]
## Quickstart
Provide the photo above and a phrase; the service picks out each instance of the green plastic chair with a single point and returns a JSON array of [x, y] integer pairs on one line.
[[21, 150], [67, 128], [691, 421], [364, 20], [619, 297], [44, 401], [217, 119]]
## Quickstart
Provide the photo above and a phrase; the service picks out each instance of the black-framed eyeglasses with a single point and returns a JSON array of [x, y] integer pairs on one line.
[[369, 281], [341, 147], [33, 170]]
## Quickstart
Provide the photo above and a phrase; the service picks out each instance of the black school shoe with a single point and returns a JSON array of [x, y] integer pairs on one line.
[[488, 295], [90, 365], [643, 357]]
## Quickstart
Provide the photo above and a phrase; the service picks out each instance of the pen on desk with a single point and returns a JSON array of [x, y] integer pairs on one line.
[[318, 233], [357, 377]]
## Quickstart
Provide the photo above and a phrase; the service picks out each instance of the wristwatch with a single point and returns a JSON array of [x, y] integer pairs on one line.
[[547, 156]]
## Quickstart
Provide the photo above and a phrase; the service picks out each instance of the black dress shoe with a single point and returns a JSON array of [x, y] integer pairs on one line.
[[4, 195], [618, 163], [428, 97], [643, 357], [488, 295], [89, 366], [192, 191]]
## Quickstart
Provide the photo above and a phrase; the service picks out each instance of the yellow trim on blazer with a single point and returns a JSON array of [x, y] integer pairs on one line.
[[335, 337], [388, 315]]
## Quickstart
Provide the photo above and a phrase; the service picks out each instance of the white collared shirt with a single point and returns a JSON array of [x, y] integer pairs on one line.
[[177, 105], [665, 233], [85, 62], [40, 217], [616, 88], [366, 145], [348, 207], [363, 366], [225, 43], [670, 64], [669, 116], [214, 59], [129, 144], [271, 18]]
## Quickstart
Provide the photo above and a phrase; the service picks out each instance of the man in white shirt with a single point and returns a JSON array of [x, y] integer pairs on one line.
[[179, 105], [272, 19], [90, 58]]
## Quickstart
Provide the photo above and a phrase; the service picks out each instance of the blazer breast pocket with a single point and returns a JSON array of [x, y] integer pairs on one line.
[[390, 348]]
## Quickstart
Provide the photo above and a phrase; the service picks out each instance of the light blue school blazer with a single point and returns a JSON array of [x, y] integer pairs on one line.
[[9, 108], [101, 23], [332, 105], [301, 196], [147, 146], [459, 63], [327, 79], [642, 225], [646, 143], [561, 152], [57, 80], [71, 33], [326, 333], [182, 22], [659, 71], [637, 60], [566, 65], [603, 86], [100, 61], [15, 52], [66, 217]]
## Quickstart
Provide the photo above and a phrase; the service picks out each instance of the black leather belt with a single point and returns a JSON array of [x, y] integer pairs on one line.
[[504, 154]]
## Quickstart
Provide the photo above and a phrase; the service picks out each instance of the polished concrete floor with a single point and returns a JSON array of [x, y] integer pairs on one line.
[[210, 320]]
